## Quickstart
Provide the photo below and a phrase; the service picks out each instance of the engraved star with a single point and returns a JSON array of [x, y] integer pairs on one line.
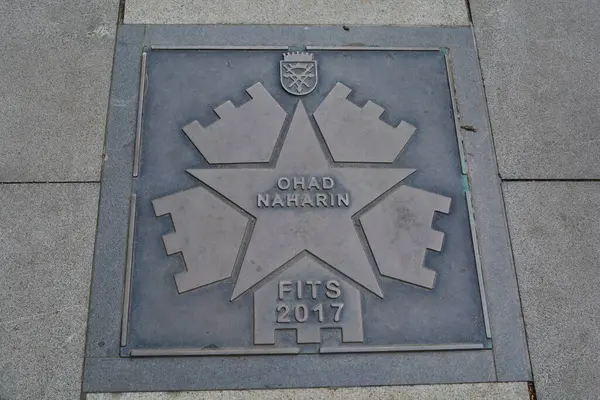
[[282, 233]]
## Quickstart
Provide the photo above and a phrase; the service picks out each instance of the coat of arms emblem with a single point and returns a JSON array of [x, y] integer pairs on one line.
[[298, 73]]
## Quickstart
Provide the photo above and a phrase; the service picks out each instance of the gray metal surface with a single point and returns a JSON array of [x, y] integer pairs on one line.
[[301, 201], [322, 225], [208, 235], [307, 306], [233, 138], [164, 321], [139, 121], [356, 133], [401, 224], [129, 263]]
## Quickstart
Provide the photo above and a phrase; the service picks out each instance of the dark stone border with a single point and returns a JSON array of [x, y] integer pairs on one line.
[[105, 370]]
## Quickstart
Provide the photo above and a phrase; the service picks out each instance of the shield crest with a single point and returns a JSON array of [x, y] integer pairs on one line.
[[298, 73]]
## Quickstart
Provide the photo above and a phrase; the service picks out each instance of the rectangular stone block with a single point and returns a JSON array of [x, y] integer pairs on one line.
[[540, 60], [338, 12], [54, 78], [555, 236], [46, 244], [488, 391]]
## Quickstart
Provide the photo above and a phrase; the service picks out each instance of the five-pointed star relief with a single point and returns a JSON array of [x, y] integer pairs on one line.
[[281, 234]]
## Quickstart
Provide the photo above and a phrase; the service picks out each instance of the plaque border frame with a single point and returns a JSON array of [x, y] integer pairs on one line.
[[104, 368]]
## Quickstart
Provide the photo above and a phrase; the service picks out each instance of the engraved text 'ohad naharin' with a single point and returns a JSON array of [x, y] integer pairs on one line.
[[304, 192], [340, 227]]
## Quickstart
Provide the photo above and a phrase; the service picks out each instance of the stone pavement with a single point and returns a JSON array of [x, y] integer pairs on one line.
[[540, 68], [489, 391]]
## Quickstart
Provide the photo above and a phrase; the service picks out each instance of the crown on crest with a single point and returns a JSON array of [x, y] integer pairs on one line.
[[298, 56]]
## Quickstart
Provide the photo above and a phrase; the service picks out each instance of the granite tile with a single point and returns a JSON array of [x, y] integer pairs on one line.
[[54, 80], [46, 245], [488, 391], [337, 12], [540, 62], [555, 236]]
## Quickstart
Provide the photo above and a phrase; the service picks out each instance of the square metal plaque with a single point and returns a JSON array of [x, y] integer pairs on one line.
[[300, 213]]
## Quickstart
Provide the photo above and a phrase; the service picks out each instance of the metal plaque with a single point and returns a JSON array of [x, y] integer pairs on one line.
[[299, 214], [270, 223]]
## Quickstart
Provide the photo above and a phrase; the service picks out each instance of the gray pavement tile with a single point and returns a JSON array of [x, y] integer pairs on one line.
[[54, 80], [540, 62], [42, 355], [383, 12], [489, 391], [46, 246], [555, 236]]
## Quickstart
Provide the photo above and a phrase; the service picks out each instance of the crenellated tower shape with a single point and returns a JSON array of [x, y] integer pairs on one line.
[[246, 134], [355, 134]]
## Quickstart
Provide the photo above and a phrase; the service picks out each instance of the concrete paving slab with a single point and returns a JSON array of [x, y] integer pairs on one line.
[[540, 62], [41, 355], [315, 12], [489, 391], [555, 236], [54, 79], [46, 245]]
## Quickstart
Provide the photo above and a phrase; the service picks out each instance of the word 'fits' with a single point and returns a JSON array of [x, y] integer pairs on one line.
[[314, 192]]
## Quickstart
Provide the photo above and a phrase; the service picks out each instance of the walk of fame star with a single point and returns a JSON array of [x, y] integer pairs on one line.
[[279, 235]]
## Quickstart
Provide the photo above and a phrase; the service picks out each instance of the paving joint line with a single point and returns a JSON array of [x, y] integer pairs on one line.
[[468, 6], [47, 182], [531, 388], [121, 12]]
